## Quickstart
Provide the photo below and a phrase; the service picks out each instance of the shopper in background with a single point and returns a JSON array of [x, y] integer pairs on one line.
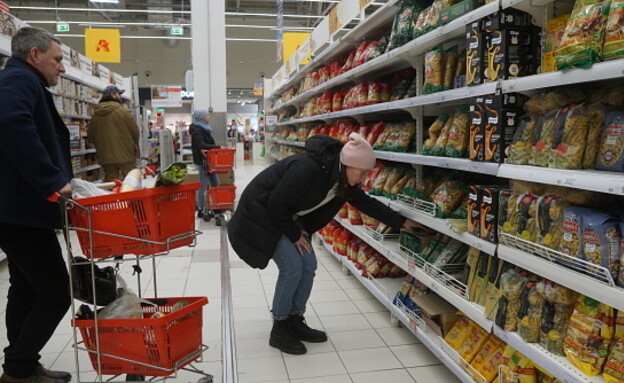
[[35, 163], [201, 139], [282, 206], [115, 135]]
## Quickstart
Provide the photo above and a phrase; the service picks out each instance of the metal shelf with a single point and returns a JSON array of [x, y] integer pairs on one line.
[[595, 180], [584, 284], [83, 152], [86, 169], [290, 143], [69, 115], [440, 162]]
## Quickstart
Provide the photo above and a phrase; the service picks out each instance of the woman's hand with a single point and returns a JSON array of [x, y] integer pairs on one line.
[[415, 227], [302, 244]]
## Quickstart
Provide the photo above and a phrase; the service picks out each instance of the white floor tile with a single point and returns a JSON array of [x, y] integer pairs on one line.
[[334, 308], [324, 285], [256, 348], [371, 359], [324, 379], [358, 293], [371, 305], [415, 355], [314, 365], [261, 370], [397, 336], [433, 374], [400, 375], [344, 322], [356, 339], [379, 320], [251, 314], [328, 296]]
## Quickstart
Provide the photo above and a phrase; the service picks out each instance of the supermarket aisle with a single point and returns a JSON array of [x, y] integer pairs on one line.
[[363, 346]]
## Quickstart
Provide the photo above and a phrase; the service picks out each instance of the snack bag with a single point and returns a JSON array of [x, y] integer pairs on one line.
[[530, 313], [601, 241], [570, 139], [447, 197], [521, 148], [434, 131], [434, 70], [458, 134], [590, 334], [488, 359], [375, 132], [355, 218], [450, 65], [511, 283], [611, 152], [395, 175], [400, 137], [614, 34], [581, 45], [597, 114], [439, 147], [473, 342]]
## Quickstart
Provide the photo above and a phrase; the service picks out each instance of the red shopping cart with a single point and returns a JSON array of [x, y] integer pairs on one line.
[[218, 199]]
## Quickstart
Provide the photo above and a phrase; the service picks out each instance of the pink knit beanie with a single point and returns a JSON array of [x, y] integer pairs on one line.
[[358, 153]]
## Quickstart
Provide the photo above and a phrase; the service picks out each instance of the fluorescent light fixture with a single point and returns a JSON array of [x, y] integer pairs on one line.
[[105, 1]]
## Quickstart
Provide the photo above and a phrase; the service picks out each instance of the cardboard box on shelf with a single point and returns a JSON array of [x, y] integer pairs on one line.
[[437, 313]]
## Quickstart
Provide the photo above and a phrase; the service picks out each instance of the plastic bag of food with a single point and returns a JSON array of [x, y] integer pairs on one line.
[[459, 79], [590, 334], [459, 332], [545, 137], [380, 181], [581, 45], [380, 142], [614, 35], [527, 217], [450, 65], [348, 65], [378, 49], [395, 175], [571, 242], [530, 313], [601, 240], [402, 28], [432, 18], [520, 370], [570, 139], [550, 210], [448, 196], [358, 53], [558, 304], [374, 93], [596, 114], [508, 214], [545, 103], [477, 336], [439, 147], [458, 134], [488, 359], [355, 218], [400, 137], [611, 152], [396, 189], [419, 22], [521, 146], [511, 283], [434, 70], [375, 131], [173, 175], [613, 369]]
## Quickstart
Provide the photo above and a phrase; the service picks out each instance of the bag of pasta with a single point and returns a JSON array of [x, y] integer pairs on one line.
[[519, 370], [458, 134], [614, 35], [545, 103], [511, 283], [459, 332], [570, 139], [439, 147], [402, 28], [434, 132], [400, 137], [488, 359], [601, 241], [450, 64], [614, 367], [395, 175], [355, 218], [550, 220], [596, 114], [590, 335], [396, 189], [611, 153], [434, 70], [530, 313], [571, 242], [545, 137], [383, 137], [473, 343], [448, 196], [527, 217], [380, 182], [521, 145], [508, 214], [581, 44], [556, 311]]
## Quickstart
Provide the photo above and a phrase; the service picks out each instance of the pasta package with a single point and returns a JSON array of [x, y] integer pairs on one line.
[[590, 335], [521, 145], [614, 367], [459, 332], [572, 240], [511, 283], [596, 114], [530, 313], [434, 70], [488, 359], [500, 128], [611, 152], [474, 202], [620, 280], [477, 336], [448, 196], [434, 132], [508, 219], [439, 147], [601, 241], [527, 217], [488, 215], [477, 130], [570, 139], [457, 142], [545, 137], [449, 68], [400, 137], [556, 311], [550, 220], [581, 45], [614, 35]]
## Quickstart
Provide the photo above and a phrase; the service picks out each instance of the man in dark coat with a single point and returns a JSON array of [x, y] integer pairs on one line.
[[35, 163]]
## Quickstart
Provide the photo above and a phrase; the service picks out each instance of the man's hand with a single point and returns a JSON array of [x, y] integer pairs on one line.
[[66, 190], [302, 244], [415, 227]]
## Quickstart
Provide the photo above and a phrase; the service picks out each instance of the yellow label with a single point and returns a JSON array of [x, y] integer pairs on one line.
[[103, 45]]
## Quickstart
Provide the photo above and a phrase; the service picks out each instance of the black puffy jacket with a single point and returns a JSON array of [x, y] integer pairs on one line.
[[201, 140], [267, 206]]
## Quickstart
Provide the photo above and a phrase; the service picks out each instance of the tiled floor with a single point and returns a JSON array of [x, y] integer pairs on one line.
[[363, 347]]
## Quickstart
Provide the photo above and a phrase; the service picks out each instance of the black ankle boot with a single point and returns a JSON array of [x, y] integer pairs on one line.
[[303, 332], [283, 339]]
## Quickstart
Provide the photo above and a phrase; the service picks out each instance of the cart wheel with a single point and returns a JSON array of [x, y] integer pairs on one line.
[[135, 378], [205, 379], [217, 221], [207, 216]]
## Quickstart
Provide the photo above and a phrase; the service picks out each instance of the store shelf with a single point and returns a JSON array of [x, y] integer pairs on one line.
[[586, 285], [5, 45], [440, 162], [86, 169], [609, 70], [69, 115], [291, 143], [600, 181], [447, 96], [83, 152], [559, 366]]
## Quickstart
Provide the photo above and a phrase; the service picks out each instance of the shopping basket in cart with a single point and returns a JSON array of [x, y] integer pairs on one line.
[[221, 197], [220, 160], [138, 222], [147, 346]]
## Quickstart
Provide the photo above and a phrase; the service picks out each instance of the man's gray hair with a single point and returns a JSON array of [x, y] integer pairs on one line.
[[27, 38]]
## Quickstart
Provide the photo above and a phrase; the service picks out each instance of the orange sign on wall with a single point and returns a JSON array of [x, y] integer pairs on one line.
[[103, 45]]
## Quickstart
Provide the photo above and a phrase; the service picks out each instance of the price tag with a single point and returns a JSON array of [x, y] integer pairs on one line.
[[444, 164], [434, 286], [411, 266], [413, 326], [512, 87], [442, 98], [616, 187]]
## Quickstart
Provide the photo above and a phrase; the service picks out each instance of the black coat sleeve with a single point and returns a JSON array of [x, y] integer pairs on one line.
[[201, 140], [370, 206], [284, 200]]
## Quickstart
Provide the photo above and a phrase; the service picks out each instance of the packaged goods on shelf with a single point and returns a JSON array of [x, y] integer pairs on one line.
[[614, 366], [403, 25], [555, 27], [438, 314], [476, 54], [434, 70], [511, 284], [488, 359], [516, 367], [611, 151], [614, 33]]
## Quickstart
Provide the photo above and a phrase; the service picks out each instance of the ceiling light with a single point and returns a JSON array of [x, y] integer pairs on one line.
[[105, 1]]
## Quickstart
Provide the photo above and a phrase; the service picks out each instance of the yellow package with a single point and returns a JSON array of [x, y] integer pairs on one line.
[[614, 367], [555, 28], [614, 35], [476, 338], [590, 335], [596, 113], [488, 359], [522, 369], [439, 147], [459, 332]]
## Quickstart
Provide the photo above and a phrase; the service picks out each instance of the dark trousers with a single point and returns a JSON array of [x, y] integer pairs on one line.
[[38, 294]]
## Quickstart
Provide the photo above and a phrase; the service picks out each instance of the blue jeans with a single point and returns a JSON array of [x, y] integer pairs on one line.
[[203, 177], [296, 276]]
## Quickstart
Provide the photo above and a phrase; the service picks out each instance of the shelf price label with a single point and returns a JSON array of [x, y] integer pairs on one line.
[[616, 187], [413, 326]]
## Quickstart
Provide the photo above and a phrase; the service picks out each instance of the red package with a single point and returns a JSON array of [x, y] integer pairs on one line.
[[375, 131], [362, 94], [324, 130], [334, 67], [324, 74], [333, 131], [374, 93], [342, 242], [354, 248], [350, 98], [367, 52], [350, 127], [336, 236], [372, 175], [342, 213], [354, 215], [348, 64], [315, 79], [314, 132], [317, 106], [341, 130], [364, 130], [358, 53], [326, 103], [337, 101], [386, 91]]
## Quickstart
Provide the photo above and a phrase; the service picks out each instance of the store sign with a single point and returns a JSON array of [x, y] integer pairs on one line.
[[177, 30], [62, 27], [271, 119], [258, 89], [103, 45], [292, 42], [168, 96], [187, 95]]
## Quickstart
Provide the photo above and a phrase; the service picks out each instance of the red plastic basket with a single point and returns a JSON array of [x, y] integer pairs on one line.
[[167, 342], [155, 214], [221, 197], [220, 160]]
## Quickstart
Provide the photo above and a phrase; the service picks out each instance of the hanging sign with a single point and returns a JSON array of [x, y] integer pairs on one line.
[[258, 88], [103, 45], [168, 96]]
